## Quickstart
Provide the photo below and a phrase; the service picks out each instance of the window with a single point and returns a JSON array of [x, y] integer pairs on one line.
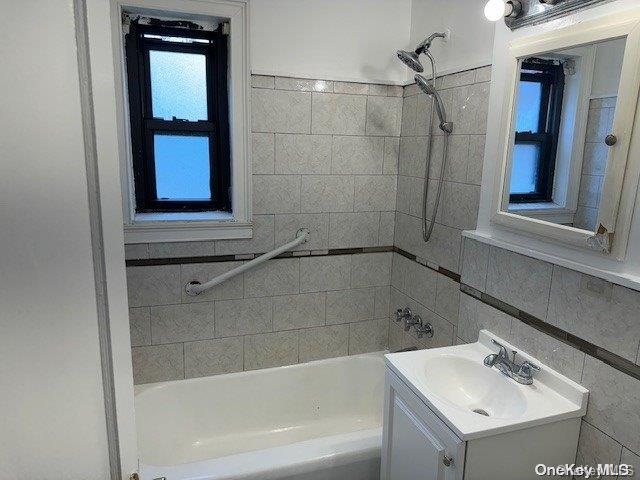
[[179, 114], [537, 129]]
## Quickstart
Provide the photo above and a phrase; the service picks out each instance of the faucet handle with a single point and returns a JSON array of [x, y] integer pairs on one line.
[[402, 313], [527, 367], [503, 350]]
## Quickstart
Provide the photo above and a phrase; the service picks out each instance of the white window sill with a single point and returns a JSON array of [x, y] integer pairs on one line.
[[549, 211], [185, 227]]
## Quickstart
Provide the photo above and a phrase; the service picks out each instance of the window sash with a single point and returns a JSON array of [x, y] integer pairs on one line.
[[144, 125], [552, 79]]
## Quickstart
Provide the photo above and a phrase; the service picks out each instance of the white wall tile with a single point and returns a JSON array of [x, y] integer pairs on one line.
[[391, 155], [153, 285], [279, 111], [351, 88], [298, 311], [276, 194], [243, 317], [354, 154], [595, 310], [327, 193], [303, 84], [520, 281], [347, 306], [384, 116], [371, 270], [213, 357], [263, 153], [369, 336], [139, 326], [613, 402], [348, 230], [375, 193], [325, 273], [157, 363], [338, 114], [324, 342], [182, 323], [275, 277], [270, 350], [303, 154]]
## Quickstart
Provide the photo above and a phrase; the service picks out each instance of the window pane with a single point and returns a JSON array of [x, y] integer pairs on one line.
[[182, 167], [529, 100], [178, 85], [524, 171]]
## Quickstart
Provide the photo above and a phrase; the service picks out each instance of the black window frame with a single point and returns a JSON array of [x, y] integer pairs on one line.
[[551, 76], [144, 125]]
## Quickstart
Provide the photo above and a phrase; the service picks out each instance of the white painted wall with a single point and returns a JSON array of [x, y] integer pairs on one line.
[[52, 424], [471, 42], [352, 40], [357, 39], [626, 272]]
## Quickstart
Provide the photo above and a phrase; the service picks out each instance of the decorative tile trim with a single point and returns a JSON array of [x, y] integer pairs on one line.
[[152, 262], [621, 364], [436, 268]]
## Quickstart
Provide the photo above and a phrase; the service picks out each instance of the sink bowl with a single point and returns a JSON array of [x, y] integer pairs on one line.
[[471, 386], [476, 401]]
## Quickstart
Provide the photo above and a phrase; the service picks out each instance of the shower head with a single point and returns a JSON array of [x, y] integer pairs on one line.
[[411, 60], [430, 89]]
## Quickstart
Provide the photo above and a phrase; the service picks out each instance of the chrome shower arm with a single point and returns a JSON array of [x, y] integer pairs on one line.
[[426, 43]]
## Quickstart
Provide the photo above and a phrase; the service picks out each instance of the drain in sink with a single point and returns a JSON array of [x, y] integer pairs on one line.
[[480, 411]]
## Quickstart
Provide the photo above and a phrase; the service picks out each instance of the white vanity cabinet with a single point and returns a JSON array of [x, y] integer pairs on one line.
[[449, 417], [416, 444]]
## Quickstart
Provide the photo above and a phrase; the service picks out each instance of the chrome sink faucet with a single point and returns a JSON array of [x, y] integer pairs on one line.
[[521, 373]]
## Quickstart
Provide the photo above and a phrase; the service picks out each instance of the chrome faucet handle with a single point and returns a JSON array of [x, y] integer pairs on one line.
[[503, 350], [423, 329], [527, 367], [411, 321], [403, 313]]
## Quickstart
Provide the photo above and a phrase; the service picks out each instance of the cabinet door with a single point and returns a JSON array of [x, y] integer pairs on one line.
[[416, 444]]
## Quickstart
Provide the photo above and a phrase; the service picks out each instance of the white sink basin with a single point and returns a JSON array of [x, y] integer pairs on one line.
[[475, 400], [473, 387]]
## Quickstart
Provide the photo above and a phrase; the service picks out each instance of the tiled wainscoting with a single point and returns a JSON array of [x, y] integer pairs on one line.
[[586, 328], [283, 312]]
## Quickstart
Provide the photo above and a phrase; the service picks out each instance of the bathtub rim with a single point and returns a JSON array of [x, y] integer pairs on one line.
[[276, 462]]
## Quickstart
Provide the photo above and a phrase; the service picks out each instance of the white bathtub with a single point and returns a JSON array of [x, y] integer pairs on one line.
[[318, 420]]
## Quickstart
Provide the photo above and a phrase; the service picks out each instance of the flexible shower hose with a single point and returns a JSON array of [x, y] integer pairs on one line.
[[427, 229]]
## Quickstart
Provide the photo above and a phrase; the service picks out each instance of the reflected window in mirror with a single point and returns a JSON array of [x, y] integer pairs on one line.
[[564, 108], [539, 114]]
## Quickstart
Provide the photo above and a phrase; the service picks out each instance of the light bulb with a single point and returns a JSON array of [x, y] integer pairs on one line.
[[494, 10]]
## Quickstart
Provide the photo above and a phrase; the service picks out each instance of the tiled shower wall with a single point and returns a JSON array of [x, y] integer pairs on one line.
[[325, 157], [435, 296], [599, 125]]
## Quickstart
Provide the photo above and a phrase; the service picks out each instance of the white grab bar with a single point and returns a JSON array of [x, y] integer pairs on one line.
[[196, 288]]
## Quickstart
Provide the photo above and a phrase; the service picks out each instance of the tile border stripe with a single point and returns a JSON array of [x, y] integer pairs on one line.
[[152, 262], [621, 364]]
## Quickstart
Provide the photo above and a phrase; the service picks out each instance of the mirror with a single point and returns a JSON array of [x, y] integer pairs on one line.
[[562, 123]]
